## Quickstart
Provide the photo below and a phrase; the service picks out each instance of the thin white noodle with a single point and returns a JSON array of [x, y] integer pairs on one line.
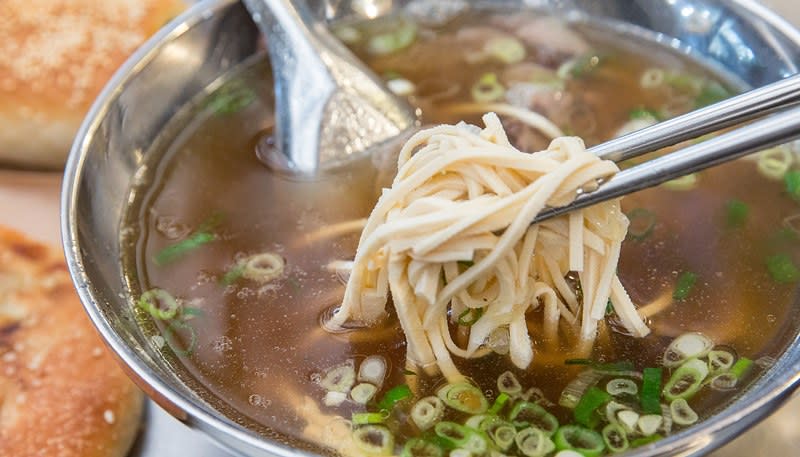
[[466, 196]]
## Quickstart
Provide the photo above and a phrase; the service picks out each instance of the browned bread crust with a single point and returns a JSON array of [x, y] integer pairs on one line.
[[61, 392], [55, 57]]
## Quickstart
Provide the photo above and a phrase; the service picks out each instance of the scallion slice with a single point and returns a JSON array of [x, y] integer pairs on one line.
[[368, 418], [159, 303], [651, 390], [526, 414], [178, 250], [508, 383], [572, 394], [686, 182], [736, 212], [648, 424], [683, 287], [642, 222], [374, 439], [399, 36], [782, 269], [499, 403], [394, 395], [681, 412], [645, 440], [418, 447], [773, 163], [615, 438], [724, 381], [363, 393], [720, 360], [686, 380], [427, 412], [176, 326], [506, 49], [621, 386], [372, 370], [583, 440], [503, 436], [459, 436], [487, 89], [792, 182], [339, 378], [589, 403], [741, 367], [687, 346], [469, 316], [463, 397], [533, 442]]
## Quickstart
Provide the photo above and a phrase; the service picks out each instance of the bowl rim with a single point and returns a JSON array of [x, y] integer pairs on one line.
[[703, 437]]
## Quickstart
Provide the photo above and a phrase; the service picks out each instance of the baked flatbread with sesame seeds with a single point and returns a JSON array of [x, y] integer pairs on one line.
[[55, 57], [62, 394]]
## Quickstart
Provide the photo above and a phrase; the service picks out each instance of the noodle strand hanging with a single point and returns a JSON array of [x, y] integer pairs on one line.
[[451, 241]]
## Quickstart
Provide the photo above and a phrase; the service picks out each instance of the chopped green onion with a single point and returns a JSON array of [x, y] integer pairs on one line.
[[374, 439], [612, 408], [394, 395], [189, 312], [427, 412], [407, 372], [487, 89], [686, 182], [712, 92], [469, 316], [649, 423], [724, 381], [506, 49], [620, 386], [642, 222], [459, 436], [339, 378], [651, 390], [170, 332], [372, 370], [682, 413], [233, 275], [792, 182], [686, 380], [585, 410], [401, 86], [628, 419], [503, 436], [368, 418], [159, 303], [687, 346], [773, 163], [263, 267], [573, 437], [615, 438], [230, 99], [574, 391], [347, 34], [363, 393], [418, 447], [741, 367], [463, 397], [683, 287], [533, 442], [652, 78], [643, 113], [782, 269], [526, 414], [499, 403], [173, 252], [719, 360], [645, 440], [580, 66], [613, 367], [508, 383], [477, 420], [736, 213], [400, 36]]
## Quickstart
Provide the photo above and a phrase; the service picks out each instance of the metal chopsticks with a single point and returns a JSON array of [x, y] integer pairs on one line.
[[761, 134]]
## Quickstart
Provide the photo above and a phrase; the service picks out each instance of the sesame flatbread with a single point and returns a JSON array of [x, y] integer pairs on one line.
[[62, 394]]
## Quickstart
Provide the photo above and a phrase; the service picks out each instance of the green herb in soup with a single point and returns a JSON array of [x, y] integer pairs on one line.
[[710, 261]]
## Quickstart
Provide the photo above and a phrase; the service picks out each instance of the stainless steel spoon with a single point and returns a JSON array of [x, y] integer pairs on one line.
[[329, 107]]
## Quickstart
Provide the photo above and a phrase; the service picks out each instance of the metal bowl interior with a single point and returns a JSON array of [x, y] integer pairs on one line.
[[737, 37]]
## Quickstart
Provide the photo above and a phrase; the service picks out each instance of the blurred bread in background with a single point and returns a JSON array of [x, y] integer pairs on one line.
[[55, 57]]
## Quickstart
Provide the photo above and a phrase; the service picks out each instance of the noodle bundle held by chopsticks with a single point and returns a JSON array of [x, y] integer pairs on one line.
[[452, 241]]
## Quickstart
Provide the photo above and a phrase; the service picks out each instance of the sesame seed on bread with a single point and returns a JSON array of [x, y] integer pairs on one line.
[[56, 57]]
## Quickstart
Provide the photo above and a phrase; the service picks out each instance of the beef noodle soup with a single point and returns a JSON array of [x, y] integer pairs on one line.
[[234, 269]]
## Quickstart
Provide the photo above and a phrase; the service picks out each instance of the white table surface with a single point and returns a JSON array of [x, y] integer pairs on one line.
[[29, 202]]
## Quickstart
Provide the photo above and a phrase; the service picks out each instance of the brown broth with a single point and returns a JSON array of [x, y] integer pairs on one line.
[[259, 346]]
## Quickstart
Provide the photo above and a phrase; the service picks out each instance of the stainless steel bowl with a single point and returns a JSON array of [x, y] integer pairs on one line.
[[738, 37]]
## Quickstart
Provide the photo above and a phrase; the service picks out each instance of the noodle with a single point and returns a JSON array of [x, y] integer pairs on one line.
[[452, 239]]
